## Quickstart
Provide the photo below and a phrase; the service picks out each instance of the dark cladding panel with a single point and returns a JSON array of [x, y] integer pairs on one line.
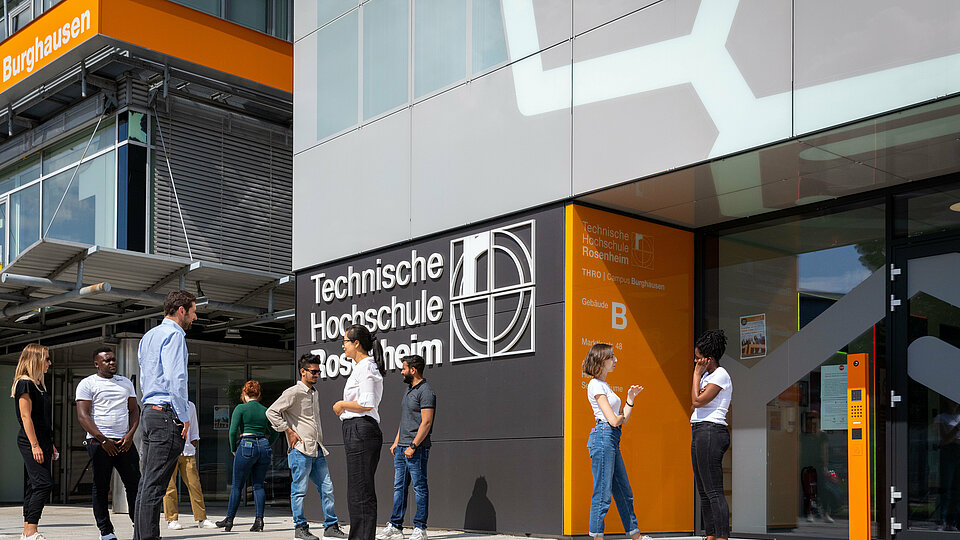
[[499, 402], [512, 486]]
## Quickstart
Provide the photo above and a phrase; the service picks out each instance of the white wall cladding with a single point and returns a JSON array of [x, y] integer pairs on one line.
[[586, 95], [234, 179]]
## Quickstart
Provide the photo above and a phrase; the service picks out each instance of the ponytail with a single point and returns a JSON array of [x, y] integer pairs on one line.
[[369, 343]]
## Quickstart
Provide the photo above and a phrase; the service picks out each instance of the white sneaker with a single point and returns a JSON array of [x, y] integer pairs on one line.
[[390, 532], [34, 536], [175, 525], [110, 536], [418, 534], [207, 524]]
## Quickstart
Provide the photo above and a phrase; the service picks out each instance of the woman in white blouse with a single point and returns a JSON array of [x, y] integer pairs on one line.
[[609, 472], [362, 438]]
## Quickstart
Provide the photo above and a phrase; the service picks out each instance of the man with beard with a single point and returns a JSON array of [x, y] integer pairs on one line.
[[410, 449], [107, 409], [166, 415]]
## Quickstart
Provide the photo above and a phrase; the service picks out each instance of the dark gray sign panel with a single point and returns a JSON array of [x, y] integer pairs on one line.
[[484, 306]]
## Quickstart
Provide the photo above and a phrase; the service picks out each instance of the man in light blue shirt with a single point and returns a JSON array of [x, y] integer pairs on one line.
[[166, 417]]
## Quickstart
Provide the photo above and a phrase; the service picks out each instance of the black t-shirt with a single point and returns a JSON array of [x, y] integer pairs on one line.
[[40, 412], [417, 397]]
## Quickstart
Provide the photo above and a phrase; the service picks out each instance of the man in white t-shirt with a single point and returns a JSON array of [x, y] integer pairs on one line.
[[187, 465], [107, 408]]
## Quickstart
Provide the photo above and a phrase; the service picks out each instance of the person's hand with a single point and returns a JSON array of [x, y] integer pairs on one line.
[[56, 453], [109, 447], [292, 439], [38, 454], [186, 428], [701, 366], [393, 448], [338, 408], [633, 391], [126, 442], [409, 452]]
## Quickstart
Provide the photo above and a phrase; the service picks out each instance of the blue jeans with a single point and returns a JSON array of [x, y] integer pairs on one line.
[[252, 460], [609, 477], [303, 467], [410, 470]]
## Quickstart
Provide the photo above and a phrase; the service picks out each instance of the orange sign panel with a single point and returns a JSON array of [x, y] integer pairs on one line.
[[630, 283], [47, 38]]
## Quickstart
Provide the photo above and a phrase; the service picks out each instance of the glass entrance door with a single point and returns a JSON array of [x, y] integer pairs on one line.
[[925, 492]]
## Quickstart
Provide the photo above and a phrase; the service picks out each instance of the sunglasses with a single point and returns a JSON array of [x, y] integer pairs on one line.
[[314, 371]]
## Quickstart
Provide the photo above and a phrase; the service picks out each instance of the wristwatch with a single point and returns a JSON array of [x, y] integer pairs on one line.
[[413, 446]]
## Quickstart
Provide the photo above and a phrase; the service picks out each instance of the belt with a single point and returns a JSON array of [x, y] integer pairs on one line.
[[256, 436]]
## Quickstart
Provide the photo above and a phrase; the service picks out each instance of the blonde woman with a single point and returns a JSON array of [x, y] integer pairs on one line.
[[609, 472], [35, 438]]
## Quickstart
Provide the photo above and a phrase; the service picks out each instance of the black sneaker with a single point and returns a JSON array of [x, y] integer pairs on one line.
[[334, 531], [303, 533]]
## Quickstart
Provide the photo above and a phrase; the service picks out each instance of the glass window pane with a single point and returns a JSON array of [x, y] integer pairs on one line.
[[337, 75], [87, 213], [440, 44], [69, 151], [385, 55], [489, 43], [207, 6], [22, 19], [20, 174], [936, 211], [249, 13], [137, 127], [281, 18], [328, 10], [3, 233], [796, 275], [24, 219]]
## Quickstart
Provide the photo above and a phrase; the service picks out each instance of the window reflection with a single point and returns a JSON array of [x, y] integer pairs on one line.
[[797, 272], [81, 207]]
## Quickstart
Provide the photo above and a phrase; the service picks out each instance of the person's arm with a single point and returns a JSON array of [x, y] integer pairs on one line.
[[396, 442], [426, 422], [276, 419], [236, 428], [612, 418], [193, 434], [365, 400], [628, 407], [133, 415], [26, 409], [173, 357], [84, 409], [701, 396]]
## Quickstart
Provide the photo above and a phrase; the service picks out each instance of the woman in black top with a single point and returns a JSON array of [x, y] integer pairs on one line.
[[35, 439]]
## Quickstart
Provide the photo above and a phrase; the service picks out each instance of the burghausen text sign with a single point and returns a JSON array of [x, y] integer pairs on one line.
[[468, 298]]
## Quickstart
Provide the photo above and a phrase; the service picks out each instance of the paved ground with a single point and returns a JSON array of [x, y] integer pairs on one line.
[[76, 522]]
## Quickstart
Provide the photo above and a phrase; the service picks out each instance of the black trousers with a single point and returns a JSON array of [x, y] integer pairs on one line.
[[127, 465], [39, 479], [710, 442], [162, 445], [362, 444]]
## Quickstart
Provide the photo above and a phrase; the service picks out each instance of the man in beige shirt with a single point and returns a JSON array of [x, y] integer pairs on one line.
[[297, 413]]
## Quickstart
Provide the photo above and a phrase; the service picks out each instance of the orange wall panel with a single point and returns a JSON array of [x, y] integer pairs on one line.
[[47, 38], [630, 283], [190, 35]]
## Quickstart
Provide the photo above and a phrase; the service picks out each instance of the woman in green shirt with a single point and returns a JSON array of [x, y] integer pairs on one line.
[[250, 440]]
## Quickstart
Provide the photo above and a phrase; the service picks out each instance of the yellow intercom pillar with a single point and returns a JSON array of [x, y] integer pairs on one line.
[[858, 445]]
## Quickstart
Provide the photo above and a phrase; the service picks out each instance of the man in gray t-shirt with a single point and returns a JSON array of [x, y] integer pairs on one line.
[[410, 449]]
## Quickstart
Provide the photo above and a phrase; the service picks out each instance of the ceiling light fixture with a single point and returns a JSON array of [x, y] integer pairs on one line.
[[955, 207]]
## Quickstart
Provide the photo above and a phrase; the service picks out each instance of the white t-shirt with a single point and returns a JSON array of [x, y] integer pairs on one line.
[[193, 432], [108, 399], [716, 410], [596, 387]]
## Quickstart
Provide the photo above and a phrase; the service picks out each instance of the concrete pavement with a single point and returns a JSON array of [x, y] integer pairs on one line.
[[61, 522]]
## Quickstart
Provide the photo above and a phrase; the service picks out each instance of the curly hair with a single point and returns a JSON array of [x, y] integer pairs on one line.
[[712, 344], [252, 389]]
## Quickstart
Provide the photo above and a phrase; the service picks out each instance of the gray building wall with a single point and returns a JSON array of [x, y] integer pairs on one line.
[[542, 100]]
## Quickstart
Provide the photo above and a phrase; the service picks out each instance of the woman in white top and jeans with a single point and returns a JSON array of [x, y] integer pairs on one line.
[[362, 438], [609, 472], [711, 393]]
